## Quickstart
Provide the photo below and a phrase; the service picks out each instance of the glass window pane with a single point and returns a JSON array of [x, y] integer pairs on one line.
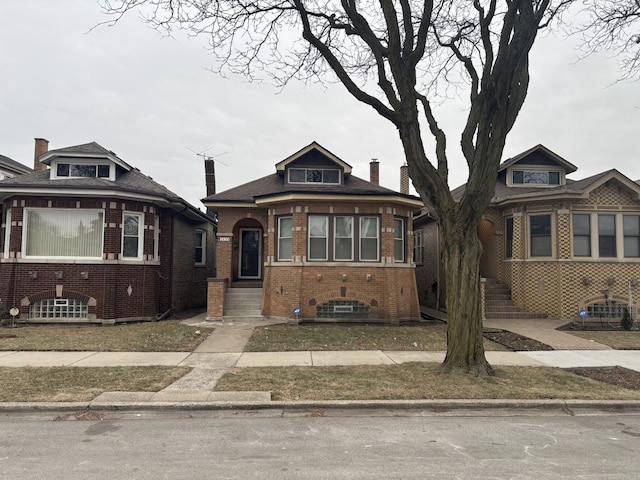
[[631, 224], [344, 249], [82, 170], [314, 176], [343, 245], [632, 246], [331, 176], [285, 242], [554, 178], [103, 171], [581, 224], [286, 226], [62, 170], [369, 249], [318, 249], [607, 235], [540, 226], [284, 249], [64, 233], [517, 176], [130, 247], [508, 238], [131, 224], [317, 226], [581, 246], [297, 175], [398, 239]]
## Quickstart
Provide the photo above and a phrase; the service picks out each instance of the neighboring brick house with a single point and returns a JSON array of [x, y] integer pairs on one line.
[[315, 237], [559, 245], [88, 238]]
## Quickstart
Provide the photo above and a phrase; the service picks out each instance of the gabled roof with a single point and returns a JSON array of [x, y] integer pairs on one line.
[[274, 189], [541, 150], [281, 166], [13, 166], [132, 184], [573, 189], [90, 150]]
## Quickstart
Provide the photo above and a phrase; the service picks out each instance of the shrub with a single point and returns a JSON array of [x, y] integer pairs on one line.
[[627, 321]]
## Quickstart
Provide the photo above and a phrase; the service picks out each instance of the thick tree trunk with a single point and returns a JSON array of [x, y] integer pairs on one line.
[[461, 260]]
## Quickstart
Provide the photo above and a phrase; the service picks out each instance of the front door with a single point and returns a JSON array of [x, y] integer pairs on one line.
[[250, 253]]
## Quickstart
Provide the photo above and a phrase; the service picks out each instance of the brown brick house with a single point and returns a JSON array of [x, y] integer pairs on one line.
[[558, 245], [88, 238], [314, 237]]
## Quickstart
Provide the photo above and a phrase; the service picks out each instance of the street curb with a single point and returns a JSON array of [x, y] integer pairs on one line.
[[434, 406]]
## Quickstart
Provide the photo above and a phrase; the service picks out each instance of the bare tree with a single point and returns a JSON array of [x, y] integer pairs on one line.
[[614, 25], [395, 56]]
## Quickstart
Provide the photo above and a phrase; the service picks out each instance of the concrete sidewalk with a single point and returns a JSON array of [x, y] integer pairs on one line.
[[223, 350]]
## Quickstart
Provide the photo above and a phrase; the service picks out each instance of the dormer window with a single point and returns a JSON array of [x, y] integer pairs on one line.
[[535, 177], [83, 170], [314, 175], [76, 170]]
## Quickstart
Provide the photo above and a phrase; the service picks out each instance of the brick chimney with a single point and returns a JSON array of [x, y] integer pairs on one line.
[[374, 171], [42, 147], [404, 179], [210, 176]]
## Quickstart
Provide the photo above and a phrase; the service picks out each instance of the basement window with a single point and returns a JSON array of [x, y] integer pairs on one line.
[[58, 309]]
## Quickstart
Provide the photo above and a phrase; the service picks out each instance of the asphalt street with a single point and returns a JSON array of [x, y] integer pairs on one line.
[[318, 445]]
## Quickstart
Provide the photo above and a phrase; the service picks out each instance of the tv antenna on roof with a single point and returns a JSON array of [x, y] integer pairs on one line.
[[204, 155]]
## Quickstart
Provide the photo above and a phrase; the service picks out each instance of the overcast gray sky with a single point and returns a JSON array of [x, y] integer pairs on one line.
[[152, 100]]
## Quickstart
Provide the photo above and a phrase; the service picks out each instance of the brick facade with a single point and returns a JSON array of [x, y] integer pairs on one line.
[[554, 280], [114, 288]]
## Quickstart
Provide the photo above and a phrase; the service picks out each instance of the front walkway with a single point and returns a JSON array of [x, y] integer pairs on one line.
[[544, 330]]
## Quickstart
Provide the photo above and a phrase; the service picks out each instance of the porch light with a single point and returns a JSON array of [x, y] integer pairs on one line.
[[344, 277], [319, 277], [586, 281], [369, 277], [33, 274]]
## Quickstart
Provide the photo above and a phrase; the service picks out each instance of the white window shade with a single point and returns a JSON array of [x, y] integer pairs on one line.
[[63, 233]]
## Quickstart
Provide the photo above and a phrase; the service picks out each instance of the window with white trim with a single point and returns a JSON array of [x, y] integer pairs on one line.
[[7, 233], [369, 238], [343, 239], [398, 239], [314, 175], [535, 177], [62, 233], [82, 170], [132, 235], [200, 255], [318, 232], [540, 235], [631, 232], [418, 247], [285, 239], [156, 237], [581, 235], [606, 235]]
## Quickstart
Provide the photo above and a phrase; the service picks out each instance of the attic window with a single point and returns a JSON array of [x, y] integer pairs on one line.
[[82, 170], [535, 177], [314, 175]]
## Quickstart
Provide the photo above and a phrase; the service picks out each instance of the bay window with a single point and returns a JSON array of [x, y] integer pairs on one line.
[[65, 233]]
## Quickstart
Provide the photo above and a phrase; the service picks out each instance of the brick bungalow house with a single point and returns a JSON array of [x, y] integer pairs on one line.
[[315, 238], [552, 246], [88, 238]]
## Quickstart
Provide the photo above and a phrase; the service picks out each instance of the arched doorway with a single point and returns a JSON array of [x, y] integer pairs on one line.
[[486, 235]]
